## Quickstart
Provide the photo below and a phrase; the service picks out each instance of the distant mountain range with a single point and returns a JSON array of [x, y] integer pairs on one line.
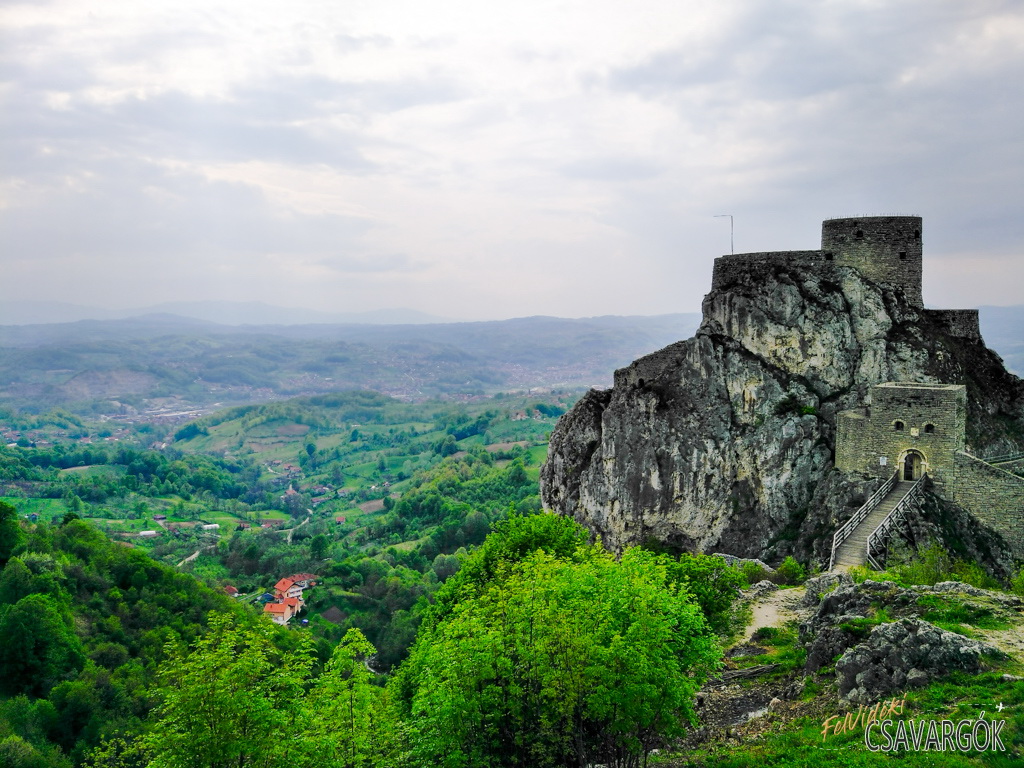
[[209, 356], [223, 312], [93, 365]]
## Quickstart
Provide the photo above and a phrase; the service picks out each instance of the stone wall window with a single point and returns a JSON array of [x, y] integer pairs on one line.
[[903, 255], [898, 426], [929, 429], [860, 234]]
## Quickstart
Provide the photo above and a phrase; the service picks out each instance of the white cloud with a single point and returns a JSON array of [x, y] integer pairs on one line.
[[478, 160]]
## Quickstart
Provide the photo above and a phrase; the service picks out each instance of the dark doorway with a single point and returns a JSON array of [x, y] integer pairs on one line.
[[912, 466]]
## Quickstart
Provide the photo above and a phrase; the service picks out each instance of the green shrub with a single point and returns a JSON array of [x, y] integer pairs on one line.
[[711, 581], [791, 572], [973, 574], [765, 634], [1017, 582], [753, 573]]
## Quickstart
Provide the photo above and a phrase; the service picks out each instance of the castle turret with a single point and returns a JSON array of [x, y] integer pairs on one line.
[[885, 249]]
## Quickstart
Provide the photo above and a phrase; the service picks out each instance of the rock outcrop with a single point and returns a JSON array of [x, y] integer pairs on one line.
[[909, 653], [726, 441]]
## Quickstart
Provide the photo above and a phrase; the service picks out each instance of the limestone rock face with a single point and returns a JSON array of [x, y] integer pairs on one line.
[[725, 441]]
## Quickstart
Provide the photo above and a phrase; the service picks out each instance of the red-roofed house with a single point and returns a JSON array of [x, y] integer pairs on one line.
[[304, 580], [282, 611], [232, 591], [286, 587], [279, 613]]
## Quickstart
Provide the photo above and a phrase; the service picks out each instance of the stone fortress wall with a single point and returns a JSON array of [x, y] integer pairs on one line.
[[993, 495], [887, 250], [728, 269], [929, 420]]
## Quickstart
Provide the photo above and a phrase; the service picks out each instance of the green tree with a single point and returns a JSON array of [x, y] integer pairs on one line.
[[38, 646], [15, 581], [559, 662], [15, 752], [343, 710], [318, 546], [233, 702], [10, 532]]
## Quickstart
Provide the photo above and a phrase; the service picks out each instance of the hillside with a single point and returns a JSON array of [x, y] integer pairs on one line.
[[789, 694], [84, 624], [163, 364]]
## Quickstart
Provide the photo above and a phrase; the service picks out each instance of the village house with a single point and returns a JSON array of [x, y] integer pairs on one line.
[[288, 597], [282, 612]]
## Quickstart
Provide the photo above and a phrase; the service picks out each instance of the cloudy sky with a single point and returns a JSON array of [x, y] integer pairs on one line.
[[490, 159]]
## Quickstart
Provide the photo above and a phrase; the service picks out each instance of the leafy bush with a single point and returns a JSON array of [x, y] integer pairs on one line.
[[791, 572], [712, 582], [753, 573], [559, 662], [927, 565], [1017, 583]]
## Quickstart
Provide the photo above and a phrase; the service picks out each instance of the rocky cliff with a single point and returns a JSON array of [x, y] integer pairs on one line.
[[725, 441]]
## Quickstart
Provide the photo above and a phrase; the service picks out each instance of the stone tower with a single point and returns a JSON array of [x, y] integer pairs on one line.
[[910, 427], [885, 249]]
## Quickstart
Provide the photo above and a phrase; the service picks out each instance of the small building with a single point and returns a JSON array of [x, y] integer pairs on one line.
[[282, 612], [211, 527], [912, 427], [159, 517], [147, 534], [231, 591], [287, 588]]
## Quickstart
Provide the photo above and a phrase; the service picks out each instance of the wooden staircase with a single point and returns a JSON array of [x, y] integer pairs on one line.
[[853, 550]]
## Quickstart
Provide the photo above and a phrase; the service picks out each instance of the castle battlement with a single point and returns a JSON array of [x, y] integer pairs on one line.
[[884, 249]]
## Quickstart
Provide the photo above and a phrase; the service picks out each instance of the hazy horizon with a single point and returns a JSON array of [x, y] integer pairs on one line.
[[477, 161]]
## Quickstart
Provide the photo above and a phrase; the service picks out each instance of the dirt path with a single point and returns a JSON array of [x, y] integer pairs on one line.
[[774, 609], [290, 531], [190, 558]]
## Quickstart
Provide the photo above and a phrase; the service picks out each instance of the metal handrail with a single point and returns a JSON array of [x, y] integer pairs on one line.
[[858, 517], [884, 529], [1003, 458]]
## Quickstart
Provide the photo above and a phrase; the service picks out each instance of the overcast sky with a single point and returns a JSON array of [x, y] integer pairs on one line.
[[484, 160]]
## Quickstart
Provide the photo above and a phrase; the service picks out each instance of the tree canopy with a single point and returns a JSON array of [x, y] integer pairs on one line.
[[556, 660]]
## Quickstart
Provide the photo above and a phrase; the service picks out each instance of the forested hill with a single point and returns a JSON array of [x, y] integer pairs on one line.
[[88, 364], [84, 625]]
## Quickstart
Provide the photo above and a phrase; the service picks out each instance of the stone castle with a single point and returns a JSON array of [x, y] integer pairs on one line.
[[887, 250], [906, 428], [813, 378]]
